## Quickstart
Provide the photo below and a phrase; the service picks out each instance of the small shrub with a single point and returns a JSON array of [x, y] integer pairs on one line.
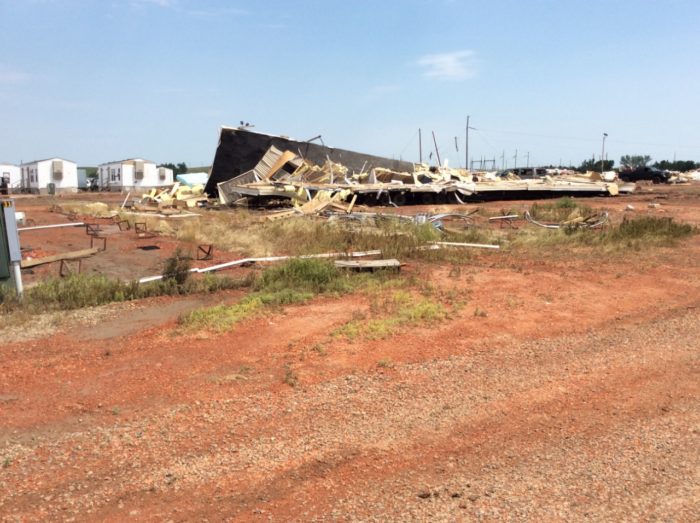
[[561, 210], [385, 364], [305, 275], [177, 267], [290, 377], [320, 349]]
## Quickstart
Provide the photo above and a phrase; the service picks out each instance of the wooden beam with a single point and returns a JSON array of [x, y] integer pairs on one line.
[[368, 264], [58, 257]]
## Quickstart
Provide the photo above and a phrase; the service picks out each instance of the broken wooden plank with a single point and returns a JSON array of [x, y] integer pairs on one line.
[[281, 215], [368, 265], [352, 203], [58, 257]]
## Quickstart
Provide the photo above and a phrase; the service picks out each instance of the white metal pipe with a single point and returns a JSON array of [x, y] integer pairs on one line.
[[507, 217], [243, 261], [459, 244], [55, 226]]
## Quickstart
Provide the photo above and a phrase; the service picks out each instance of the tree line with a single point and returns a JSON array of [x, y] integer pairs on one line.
[[639, 161], [179, 168]]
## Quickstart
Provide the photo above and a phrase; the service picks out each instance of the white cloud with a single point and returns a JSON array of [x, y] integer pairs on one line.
[[457, 65]]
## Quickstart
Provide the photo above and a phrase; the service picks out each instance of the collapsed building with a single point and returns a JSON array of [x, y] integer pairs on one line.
[[250, 166]]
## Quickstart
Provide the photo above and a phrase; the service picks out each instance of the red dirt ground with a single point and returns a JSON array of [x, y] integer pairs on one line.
[[574, 398]]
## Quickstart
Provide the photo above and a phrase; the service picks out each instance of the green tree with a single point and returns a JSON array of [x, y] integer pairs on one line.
[[594, 165], [634, 162], [680, 165], [180, 168]]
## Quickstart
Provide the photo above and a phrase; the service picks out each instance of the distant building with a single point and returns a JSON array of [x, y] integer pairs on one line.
[[10, 178], [53, 175], [133, 174], [82, 178]]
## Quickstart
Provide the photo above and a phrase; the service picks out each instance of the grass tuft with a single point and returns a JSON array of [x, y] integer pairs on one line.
[[389, 314]]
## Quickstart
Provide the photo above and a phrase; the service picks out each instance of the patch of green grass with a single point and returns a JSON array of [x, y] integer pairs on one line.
[[304, 275], [396, 311], [6, 462], [295, 281], [221, 318]]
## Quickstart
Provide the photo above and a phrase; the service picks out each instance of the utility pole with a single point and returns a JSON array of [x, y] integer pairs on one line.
[[466, 143], [420, 146], [503, 160], [602, 153], [437, 153], [527, 165], [516, 159]]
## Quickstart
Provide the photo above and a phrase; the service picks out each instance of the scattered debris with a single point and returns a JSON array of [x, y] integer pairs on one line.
[[594, 221], [285, 175], [248, 261], [179, 196]]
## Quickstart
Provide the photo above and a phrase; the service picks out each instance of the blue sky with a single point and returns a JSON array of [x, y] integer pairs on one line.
[[108, 79]]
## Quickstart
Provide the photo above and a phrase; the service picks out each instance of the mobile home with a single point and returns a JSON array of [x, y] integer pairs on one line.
[[133, 174], [53, 175]]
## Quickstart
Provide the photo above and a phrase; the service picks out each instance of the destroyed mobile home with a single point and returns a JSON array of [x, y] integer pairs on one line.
[[311, 187]]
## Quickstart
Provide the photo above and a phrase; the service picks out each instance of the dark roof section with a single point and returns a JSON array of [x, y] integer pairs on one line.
[[239, 150]]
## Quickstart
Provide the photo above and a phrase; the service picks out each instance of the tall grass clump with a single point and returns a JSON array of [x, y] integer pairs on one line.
[[86, 290], [306, 275], [632, 233], [648, 230], [561, 210]]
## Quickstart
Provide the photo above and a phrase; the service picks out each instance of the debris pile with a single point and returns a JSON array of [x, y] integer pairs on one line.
[[178, 196], [284, 175]]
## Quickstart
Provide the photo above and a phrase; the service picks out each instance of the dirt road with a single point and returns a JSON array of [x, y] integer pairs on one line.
[[575, 396]]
